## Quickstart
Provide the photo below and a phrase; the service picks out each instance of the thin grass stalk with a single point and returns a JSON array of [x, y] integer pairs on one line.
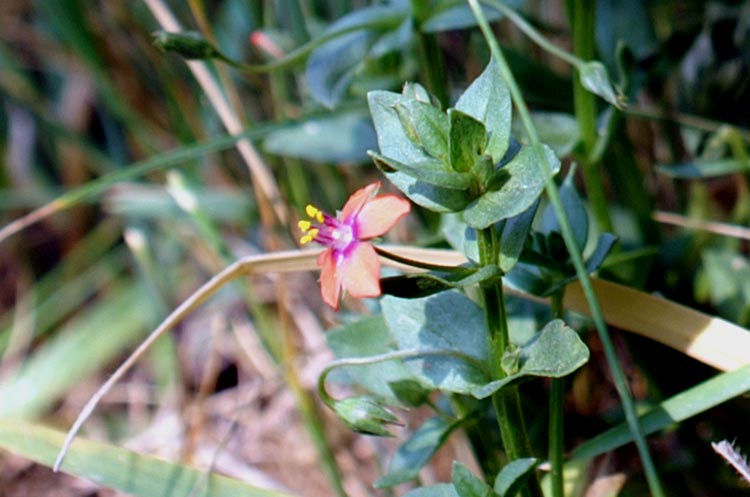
[[553, 194]]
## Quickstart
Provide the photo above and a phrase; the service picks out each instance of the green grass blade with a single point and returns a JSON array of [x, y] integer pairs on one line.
[[682, 406], [137, 474], [83, 346], [156, 163]]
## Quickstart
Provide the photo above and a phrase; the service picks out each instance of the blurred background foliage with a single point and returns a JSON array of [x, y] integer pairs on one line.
[[86, 99]]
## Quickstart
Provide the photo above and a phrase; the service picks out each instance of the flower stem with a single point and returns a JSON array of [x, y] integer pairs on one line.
[[567, 232], [507, 402], [556, 433], [582, 16]]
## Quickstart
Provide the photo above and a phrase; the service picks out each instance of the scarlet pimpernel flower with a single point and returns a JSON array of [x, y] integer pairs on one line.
[[349, 260]]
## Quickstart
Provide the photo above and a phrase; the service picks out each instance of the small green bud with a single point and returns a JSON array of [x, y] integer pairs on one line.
[[416, 91], [484, 171], [364, 415], [511, 360], [188, 44]]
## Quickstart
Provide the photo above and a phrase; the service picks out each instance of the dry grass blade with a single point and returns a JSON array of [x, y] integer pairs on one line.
[[730, 230]]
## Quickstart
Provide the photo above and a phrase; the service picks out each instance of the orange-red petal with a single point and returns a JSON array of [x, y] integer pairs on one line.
[[360, 272], [330, 279], [358, 200], [380, 214]]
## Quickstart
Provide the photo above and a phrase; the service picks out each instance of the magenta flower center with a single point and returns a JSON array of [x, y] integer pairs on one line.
[[339, 235]]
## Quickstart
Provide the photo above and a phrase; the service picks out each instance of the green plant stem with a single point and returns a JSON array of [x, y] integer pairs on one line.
[[507, 401], [553, 193], [556, 429], [582, 20], [429, 53]]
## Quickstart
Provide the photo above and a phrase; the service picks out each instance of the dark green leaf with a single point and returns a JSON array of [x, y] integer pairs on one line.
[[448, 321], [513, 475], [393, 141], [417, 451], [432, 197], [525, 184], [344, 137], [513, 237], [432, 172], [467, 140], [395, 144], [574, 209], [487, 100], [426, 125], [554, 352], [603, 247], [412, 286], [467, 484]]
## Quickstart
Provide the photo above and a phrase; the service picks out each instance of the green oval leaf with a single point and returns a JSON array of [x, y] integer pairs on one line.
[[467, 140], [468, 484], [432, 172], [525, 183], [396, 145], [554, 352], [447, 321], [488, 101], [594, 78], [513, 475]]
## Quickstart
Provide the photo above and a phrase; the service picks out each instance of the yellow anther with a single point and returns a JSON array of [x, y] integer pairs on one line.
[[304, 225], [309, 236], [314, 213]]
